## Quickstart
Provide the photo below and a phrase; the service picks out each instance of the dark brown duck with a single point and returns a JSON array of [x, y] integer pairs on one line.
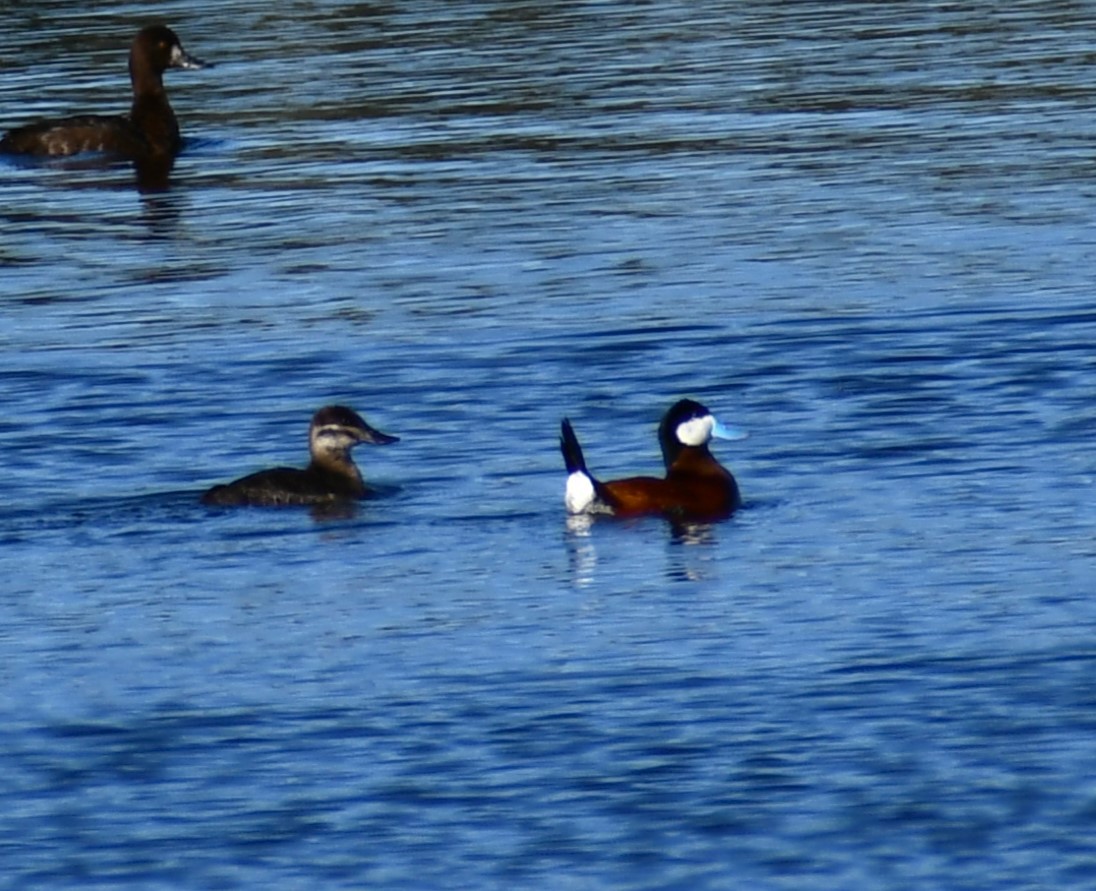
[[150, 131], [330, 477]]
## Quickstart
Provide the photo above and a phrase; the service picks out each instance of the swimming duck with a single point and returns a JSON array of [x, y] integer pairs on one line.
[[331, 476], [696, 486], [149, 131]]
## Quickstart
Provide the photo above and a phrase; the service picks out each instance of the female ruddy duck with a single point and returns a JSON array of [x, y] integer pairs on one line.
[[696, 485], [149, 131], [330, 477]]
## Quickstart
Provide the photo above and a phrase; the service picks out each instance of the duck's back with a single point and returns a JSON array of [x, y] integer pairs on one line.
[[285, 486], [696, 487], [111, 134]]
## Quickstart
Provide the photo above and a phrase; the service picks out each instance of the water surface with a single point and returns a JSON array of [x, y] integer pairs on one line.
[[863, 233]]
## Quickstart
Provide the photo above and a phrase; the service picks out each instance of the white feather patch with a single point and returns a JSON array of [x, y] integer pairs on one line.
[[579, 494]]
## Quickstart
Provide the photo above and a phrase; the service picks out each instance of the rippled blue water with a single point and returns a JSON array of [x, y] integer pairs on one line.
[[863, 232]]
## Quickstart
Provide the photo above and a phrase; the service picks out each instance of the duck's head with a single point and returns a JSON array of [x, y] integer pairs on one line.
[[688, 424], [159, 48], [336, 429]]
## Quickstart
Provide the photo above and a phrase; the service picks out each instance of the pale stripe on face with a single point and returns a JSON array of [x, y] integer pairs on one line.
[[335, 436]]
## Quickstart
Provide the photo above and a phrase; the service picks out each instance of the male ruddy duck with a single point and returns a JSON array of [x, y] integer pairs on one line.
[[330, 477], [150, 130], [696, 486]]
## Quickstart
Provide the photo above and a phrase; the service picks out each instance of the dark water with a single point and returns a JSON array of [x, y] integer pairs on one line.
[[866, 233]]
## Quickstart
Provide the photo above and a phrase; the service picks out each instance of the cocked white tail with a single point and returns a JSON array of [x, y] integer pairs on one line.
[[579, 494]]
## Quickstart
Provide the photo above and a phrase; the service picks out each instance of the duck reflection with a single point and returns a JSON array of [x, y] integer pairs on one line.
[[689, 554]]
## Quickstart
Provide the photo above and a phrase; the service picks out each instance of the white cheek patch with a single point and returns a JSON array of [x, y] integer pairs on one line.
[[579, 494], [695, 431]]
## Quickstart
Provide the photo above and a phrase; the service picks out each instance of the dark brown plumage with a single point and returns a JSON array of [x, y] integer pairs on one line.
[[331, 476], [149, 131]]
